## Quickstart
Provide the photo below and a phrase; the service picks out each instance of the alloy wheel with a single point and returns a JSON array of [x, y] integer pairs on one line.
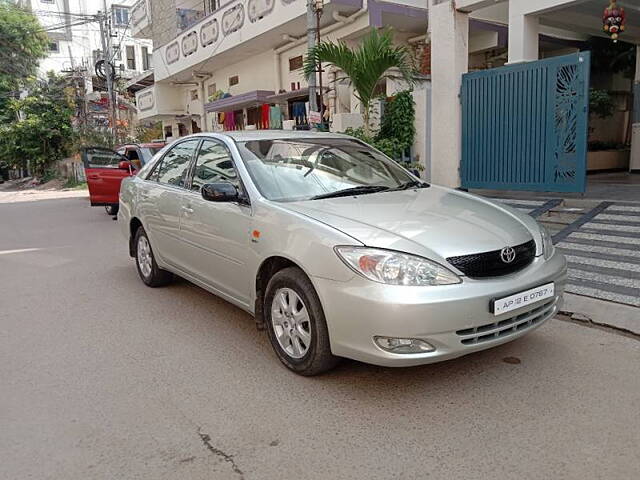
[[291, 323], [145, 260]]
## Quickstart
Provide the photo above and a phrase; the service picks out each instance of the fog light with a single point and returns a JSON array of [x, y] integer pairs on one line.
[[403, 345]]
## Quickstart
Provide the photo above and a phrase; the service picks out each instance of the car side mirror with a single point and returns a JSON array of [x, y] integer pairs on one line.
[[125, 165], [220, 192]]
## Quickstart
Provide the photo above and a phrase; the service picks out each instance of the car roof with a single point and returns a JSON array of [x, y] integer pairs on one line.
[[249, 135], [145, 145]]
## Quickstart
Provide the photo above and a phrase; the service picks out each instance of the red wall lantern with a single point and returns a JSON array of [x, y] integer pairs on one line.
[[613, 20]]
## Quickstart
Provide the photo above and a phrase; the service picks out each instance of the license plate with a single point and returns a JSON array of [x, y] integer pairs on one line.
[[522, 299]]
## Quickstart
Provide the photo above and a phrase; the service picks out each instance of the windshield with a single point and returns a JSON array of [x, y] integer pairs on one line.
[[149, 152], [301, 169]]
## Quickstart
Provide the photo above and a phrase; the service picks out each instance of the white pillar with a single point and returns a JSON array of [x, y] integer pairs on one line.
[[524, 31], [634, 165], [449, 31]]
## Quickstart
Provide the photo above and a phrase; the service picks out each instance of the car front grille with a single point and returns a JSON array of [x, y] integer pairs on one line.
[[509, 326], [490, 264]]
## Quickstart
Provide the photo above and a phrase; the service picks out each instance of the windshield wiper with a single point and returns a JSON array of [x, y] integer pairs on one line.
[[412, 184], [360, 190]]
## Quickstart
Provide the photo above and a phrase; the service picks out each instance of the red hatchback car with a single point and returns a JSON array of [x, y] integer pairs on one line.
[[105, 169]]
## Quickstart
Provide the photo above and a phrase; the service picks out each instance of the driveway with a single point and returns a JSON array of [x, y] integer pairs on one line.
[[104, 378]]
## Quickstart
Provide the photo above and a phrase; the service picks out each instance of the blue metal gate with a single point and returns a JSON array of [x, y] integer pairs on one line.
[[525, 126]]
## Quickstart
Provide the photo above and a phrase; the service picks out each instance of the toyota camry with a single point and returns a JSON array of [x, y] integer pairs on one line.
[[338, 251]]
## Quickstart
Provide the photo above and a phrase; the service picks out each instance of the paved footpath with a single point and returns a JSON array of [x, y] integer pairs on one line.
[[601, 246]]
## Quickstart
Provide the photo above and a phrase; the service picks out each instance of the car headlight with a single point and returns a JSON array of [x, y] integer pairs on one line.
[[547, 243], [395, 268]]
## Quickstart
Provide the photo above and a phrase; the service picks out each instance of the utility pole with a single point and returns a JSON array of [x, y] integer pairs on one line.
[[105, 35], [318, 9], [311, 41]]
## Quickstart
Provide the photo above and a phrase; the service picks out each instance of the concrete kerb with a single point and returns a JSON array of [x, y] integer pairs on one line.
[[623, 318]]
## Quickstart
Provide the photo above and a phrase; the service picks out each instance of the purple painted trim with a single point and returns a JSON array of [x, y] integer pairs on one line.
[[238, 101], [376, 9]]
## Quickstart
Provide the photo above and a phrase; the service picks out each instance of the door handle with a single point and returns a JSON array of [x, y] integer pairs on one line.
[[94, 177], [188, 210]]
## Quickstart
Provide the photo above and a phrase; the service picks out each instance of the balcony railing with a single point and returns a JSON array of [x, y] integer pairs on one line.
[[233, 24], [159, 100]]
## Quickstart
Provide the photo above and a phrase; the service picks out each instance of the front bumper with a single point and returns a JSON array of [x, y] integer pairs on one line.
[[454, 319]]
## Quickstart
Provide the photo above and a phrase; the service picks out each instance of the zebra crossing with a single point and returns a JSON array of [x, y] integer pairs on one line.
[[602, 249]]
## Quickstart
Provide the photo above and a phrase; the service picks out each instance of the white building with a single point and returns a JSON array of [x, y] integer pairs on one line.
[[252, 51], [75, 41]]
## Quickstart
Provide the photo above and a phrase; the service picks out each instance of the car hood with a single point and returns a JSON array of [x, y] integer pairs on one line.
[[432, 222]]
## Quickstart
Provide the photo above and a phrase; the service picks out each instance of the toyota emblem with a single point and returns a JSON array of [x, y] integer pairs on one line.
[[508, 254]]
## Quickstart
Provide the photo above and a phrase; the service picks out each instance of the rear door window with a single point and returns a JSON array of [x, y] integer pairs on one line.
[[173, 169]]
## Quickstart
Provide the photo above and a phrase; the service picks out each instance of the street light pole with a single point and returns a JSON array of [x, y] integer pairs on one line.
[[105, 35]]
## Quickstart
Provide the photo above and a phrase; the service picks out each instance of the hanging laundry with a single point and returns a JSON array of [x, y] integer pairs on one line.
[[229, 121], [275, 117], [264, 116], [299, 113]]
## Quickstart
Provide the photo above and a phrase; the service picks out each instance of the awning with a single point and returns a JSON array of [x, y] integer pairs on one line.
[[283, 97], [238, 102]]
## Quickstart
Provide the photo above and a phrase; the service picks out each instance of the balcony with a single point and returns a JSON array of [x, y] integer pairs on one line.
[[141, 19], [160, 101], [237, 31]]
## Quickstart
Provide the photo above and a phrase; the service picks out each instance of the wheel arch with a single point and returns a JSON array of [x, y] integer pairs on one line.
[[134, 225], [267, 269]]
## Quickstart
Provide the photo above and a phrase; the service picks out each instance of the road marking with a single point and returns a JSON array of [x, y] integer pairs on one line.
[[613, 228], [603, 294], [22, 250], [610, 281], [606, 253]]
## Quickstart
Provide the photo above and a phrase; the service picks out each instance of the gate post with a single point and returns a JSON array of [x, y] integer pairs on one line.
[[635, 139], [449, 31]]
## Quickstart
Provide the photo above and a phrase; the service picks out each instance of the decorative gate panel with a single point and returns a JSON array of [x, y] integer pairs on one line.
[[525, 126]]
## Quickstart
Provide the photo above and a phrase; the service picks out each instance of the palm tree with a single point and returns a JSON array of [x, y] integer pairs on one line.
[[365, 66]]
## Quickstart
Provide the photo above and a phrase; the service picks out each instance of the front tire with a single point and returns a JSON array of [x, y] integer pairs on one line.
[[152, 275], [296, 324]]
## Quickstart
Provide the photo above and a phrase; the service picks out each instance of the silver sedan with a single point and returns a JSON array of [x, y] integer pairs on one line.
[[338, 251]]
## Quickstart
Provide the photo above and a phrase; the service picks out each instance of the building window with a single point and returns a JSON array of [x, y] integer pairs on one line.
[[194, 95], [234, 80], [121, 16], [146, 59], [54, 47], [211, 6], [131, 57], [117, 53], [295, 63], [211, 90], [47, 1]]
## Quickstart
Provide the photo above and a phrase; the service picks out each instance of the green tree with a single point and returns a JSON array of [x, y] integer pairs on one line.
[[365, 65], [44, 132], [22, 45]]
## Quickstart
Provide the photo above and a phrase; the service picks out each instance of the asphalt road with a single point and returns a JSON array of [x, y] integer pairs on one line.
[[104, 378]]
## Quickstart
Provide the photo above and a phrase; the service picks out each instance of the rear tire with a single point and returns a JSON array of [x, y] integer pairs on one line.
[[296, 324], [112, 209], [152, 275]]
